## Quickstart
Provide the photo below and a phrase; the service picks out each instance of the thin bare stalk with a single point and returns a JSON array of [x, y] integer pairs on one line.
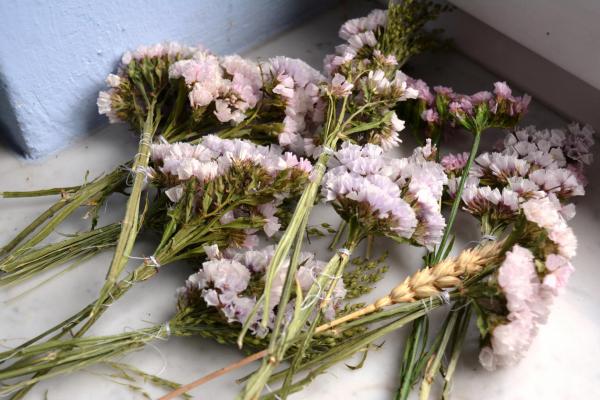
[[457, 344], [129, 225]]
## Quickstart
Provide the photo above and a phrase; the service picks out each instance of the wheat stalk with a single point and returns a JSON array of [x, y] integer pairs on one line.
[[430, 281]]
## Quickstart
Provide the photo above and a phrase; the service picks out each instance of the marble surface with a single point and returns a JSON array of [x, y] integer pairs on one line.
[[562, 363]]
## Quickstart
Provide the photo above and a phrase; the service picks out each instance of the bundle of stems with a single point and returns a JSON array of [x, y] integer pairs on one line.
[[80, 246], [58, 357], [415, 357], [411, 299], [91, 194], [192, 224]]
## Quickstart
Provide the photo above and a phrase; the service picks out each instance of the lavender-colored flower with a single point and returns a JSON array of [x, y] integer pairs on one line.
[[391, 196], [498, 205], [579, 142], [561, 181], [454, 163], [497, 167]]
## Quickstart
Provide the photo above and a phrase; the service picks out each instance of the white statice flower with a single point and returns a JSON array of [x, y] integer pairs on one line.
[[170, 50], [358, 33], [553, 148], [113, 80], [225, 275], [561, 181], [499, 167], [272, 224], [175, 193], [497, 204], [214, 157], [371, 22], [524, 187], [105, 106]]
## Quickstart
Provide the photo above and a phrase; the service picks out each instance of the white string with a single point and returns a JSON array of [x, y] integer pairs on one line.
[[146, 140], [150, 260], [430, 307], [310, 300], [344, 251], [167, 329], [328, 150], [152, 345], [491, 238], [444, 297], [483, 239], [154, 261], [277, 397]]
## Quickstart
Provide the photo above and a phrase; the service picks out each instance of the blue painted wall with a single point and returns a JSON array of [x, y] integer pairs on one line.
[[54, 55]]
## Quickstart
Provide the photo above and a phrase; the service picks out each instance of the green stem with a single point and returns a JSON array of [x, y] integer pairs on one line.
[[305, 205], [435, 361], [81, 245], [281, 343], [129, 226], [417, 340], [58, 212], [458, 195], [39, 193], [340, 230], [457, 343]]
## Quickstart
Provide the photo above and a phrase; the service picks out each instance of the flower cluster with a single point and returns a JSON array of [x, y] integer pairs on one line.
[[474, 112], [231, 84], [258, 178], [395, 197], [142, 72], [293, 88], [361, 36], [527, 305], [568, 148], [231, 282], [531, 164], [366, 70], [529, 280]]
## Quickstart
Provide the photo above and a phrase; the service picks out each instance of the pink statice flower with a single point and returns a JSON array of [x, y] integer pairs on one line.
[[545, 214], [527, 306], [454, 163], [340, 86], [559, 271], [297, 85]]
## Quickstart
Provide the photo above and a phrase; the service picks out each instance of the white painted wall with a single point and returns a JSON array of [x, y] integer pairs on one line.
[[566, 32]]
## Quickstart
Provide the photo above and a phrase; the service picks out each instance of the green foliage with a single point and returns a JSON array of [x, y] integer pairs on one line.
[[406, 34], [363, 274]]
